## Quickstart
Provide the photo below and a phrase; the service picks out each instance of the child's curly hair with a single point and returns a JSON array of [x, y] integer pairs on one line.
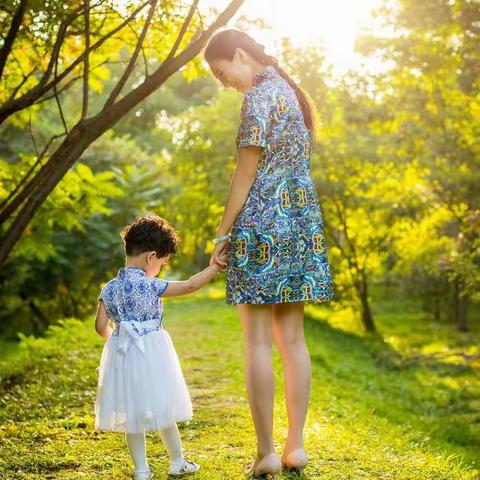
[[148, 233]]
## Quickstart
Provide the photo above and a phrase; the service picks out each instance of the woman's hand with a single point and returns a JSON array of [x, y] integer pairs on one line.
[[223, 257], [219, 255]]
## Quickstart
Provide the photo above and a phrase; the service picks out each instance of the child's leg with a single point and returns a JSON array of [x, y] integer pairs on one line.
[[173, 443], [136, 447]]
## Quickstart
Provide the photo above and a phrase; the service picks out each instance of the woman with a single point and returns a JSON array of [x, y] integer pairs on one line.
[[276, 250]]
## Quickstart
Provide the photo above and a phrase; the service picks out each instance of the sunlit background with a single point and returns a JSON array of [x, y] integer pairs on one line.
[[336, 24], [395, 163]]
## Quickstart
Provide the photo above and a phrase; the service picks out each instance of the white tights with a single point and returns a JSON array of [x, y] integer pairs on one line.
[[171, 440]]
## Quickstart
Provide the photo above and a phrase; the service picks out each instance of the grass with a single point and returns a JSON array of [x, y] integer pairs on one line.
[[370, 416]]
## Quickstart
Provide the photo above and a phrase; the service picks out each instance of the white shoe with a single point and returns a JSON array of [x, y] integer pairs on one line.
[[146, 475], [184, 468]]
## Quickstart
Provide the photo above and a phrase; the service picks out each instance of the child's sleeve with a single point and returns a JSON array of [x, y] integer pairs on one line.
[[255, 119], [102, 294], [106, 293], [159, 285]]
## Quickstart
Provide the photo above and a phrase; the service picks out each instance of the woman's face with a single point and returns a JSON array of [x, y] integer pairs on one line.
[[236, 73]]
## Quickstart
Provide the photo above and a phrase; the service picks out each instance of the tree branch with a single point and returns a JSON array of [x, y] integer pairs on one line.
[[6, 211], [31, 134], [31, 96], [145, 61], [72, 81], [86, 60], [12, 34], [62, 30], [187, 21], [59, 103], [133, 60], [20, 85], [172, 64]]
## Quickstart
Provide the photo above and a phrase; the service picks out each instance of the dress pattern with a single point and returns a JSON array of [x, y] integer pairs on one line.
[[277, 252], [134, 298]]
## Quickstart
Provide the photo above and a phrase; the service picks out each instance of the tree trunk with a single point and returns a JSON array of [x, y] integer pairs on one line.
[[40, 318], [436, 308], [461, 301], [366, 312], [68, 152]]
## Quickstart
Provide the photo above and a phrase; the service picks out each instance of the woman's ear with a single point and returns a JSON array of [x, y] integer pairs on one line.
[[242, 55]]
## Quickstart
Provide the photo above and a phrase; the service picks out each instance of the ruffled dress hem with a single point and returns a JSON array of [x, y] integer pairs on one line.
[[141, 387]]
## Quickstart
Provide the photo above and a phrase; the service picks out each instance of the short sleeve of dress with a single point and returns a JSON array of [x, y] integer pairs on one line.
[[255, 119], [159, 286], [101, 296]]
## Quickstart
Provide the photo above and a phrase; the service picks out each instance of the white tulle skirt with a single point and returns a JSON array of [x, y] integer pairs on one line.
[[141, 386]]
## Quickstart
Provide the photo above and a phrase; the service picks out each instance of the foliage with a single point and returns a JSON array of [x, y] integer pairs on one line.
[[367, 417], [396, 165]]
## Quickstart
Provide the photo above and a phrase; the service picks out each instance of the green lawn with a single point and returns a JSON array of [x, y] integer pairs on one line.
[[371, 416]]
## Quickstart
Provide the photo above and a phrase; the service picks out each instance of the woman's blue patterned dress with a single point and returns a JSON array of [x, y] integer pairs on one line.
[[277, 252]]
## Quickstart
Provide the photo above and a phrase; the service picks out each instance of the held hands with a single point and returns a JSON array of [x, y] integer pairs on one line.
[[219, 255], [223, 258]]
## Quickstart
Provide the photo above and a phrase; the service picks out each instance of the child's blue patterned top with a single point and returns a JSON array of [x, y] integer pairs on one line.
[[135, 298]]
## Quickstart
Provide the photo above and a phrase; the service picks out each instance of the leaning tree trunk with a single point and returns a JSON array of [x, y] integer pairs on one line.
[[68, 152], [86, 131]]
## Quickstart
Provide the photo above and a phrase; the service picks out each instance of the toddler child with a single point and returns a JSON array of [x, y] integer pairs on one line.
[[140, 381]]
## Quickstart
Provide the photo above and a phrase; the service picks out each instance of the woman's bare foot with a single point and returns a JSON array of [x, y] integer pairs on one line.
[[295, 459], [250, 468], [268, 465]]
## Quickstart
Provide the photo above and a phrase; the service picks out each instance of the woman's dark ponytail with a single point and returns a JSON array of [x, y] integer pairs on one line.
[[304, 100], [224, 44]]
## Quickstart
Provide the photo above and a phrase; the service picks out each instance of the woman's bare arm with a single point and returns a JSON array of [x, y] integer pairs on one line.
[[242, 181]]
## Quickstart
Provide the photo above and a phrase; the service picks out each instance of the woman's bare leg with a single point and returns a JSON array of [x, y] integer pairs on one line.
[[289, 337], [257, 327]]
